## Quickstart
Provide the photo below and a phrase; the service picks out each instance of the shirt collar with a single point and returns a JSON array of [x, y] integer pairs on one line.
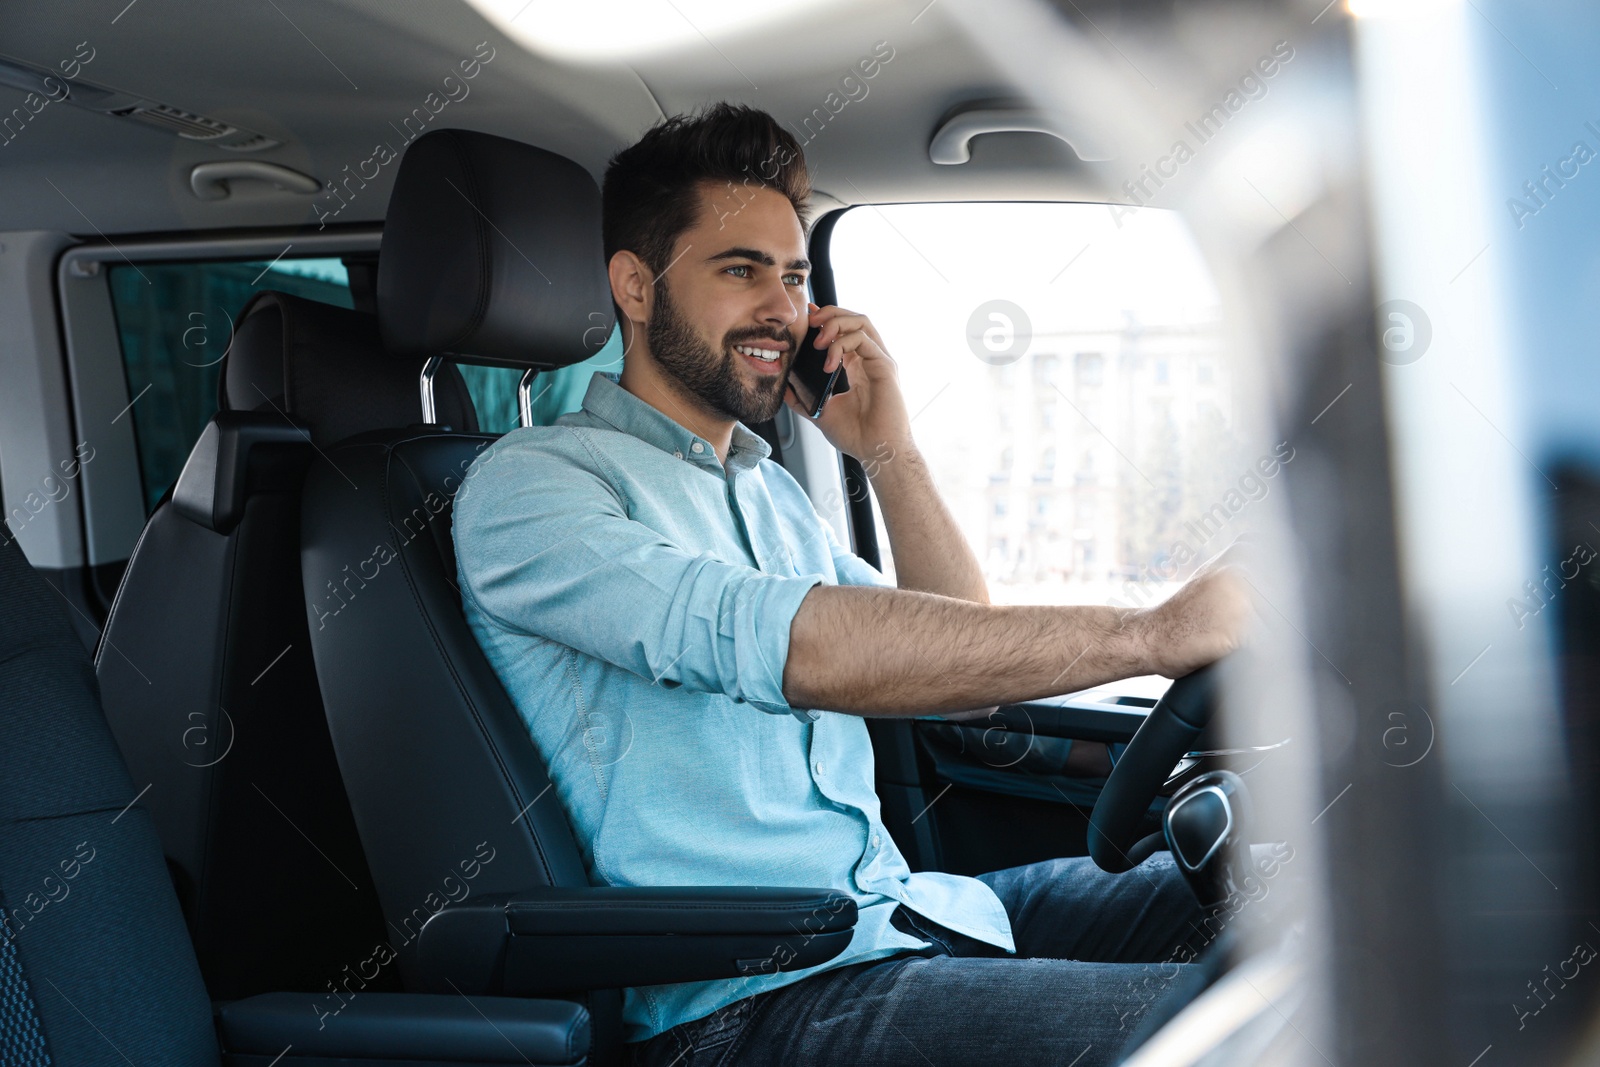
[[612, 404]]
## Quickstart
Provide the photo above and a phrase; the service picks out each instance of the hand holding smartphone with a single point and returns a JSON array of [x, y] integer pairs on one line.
[[808, 367]]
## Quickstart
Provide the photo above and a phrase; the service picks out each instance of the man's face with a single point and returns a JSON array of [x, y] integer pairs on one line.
[[730, 309]]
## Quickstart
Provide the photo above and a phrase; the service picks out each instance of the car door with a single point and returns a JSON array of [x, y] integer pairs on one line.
[[98, 429], [145, 326]]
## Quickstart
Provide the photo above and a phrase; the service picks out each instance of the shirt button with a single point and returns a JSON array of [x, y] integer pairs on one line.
[[677, 455], [819, 767], [698, 447], [874, 840]]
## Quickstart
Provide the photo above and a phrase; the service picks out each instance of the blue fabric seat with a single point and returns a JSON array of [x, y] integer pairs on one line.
[[95, 964]]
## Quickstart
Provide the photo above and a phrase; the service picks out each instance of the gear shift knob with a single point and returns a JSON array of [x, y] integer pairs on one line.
[[1206, 827]]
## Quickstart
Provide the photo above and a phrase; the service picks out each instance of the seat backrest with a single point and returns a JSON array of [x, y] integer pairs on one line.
[[95, 968], [448, 789], [206, 670]]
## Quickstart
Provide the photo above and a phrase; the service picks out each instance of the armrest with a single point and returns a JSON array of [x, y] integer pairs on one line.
[[605, 937], [403, 1028]]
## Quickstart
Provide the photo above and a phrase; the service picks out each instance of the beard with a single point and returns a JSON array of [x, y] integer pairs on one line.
[[710, 376]]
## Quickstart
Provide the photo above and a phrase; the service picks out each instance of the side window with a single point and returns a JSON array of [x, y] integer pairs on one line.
[[555, 392], [174, 322], [1066, 378]]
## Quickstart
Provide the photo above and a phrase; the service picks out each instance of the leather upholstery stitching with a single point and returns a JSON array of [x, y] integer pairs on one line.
[[391, 457]]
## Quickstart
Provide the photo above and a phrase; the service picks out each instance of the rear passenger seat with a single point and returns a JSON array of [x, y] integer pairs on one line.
[[205, 666]]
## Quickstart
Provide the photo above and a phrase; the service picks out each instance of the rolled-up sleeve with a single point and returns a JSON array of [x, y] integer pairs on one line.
[[545, 547]]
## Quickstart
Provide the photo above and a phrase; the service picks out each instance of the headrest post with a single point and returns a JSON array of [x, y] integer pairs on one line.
[[525, 397], [429, 369]]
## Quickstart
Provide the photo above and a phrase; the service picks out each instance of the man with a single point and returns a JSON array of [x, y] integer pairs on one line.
[[667, 610]]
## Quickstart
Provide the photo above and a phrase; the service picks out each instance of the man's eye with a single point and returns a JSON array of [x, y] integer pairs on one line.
[[794, 279], [740, 267]]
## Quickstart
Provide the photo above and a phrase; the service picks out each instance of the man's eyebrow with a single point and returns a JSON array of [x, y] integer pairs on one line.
[[759, 257]]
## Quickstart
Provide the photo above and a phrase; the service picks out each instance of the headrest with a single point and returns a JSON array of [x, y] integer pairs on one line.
[[252, 369], [492, 252], [326, 367]]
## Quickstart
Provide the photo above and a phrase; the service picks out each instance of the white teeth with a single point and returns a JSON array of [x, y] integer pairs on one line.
[[765, 355]]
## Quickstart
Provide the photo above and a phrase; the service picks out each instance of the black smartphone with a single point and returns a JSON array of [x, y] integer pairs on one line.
[[819, 383]]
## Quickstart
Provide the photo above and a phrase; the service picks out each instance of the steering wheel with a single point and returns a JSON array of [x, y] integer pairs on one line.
[[1162, 739]]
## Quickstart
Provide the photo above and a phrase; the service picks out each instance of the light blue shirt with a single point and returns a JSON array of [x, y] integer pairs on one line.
[[635, 597]]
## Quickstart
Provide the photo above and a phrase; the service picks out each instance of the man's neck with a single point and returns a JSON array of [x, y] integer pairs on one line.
[[644, 379]]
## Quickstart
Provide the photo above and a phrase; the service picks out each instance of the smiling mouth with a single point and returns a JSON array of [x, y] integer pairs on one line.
[[765, 355]]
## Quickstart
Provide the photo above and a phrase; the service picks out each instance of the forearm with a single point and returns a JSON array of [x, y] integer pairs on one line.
[[930, 554], [895, 652]]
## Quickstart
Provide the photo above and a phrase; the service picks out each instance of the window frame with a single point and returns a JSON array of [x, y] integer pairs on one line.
[[838, 484], [866, 532], [113, 507]]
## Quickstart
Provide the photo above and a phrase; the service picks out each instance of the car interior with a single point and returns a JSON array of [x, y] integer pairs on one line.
[[1159, 276]]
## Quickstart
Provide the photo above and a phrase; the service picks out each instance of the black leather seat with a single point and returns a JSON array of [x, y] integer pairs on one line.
[[95, 970], [205, 666], [491, 253]]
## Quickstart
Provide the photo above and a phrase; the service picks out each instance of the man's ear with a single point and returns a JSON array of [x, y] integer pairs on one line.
[[632, 286]]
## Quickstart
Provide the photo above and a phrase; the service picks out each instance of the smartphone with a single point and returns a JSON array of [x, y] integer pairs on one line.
[[819, 383]]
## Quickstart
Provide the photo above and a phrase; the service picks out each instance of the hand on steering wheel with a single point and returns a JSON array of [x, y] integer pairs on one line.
[[1204, 620]]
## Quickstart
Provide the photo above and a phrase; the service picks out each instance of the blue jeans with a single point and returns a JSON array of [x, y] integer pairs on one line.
[[1095, 953]]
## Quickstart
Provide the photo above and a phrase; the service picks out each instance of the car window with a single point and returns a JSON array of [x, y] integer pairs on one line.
[[168, 318], [171, 321], [1062, 366]]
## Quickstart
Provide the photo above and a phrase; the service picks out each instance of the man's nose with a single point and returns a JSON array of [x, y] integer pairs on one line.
[[777, 306]]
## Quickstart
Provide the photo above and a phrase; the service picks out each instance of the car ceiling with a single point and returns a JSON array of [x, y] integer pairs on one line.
[[331, 79]]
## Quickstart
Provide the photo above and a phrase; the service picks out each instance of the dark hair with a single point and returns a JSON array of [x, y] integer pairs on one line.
[[652, 188]]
